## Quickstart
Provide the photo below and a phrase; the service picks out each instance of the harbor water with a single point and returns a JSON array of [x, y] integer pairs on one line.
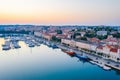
[[46, 63]]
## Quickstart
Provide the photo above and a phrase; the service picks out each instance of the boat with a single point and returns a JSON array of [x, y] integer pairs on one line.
[[31, 45], [106, 67], [48, 44], [92, 62], [27, 42], [37, 44], [82, 56], [16, 46], [70, 52], [54, 46], [101, 65], [6, 47], [97, 63]]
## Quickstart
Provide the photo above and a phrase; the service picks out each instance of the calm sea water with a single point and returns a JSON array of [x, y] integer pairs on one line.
[[44, 63]]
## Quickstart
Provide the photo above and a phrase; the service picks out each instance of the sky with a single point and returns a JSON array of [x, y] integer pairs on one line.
[[60, 12]]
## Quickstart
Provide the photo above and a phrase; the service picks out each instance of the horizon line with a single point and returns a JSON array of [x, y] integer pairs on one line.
[[60, 25]]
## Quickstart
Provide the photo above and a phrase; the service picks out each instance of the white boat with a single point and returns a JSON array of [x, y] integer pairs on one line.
[[5, 47], [92, 62], [37, 44], [31, 44], [101, 65], [48, 43], [106, 67], [16, 45]]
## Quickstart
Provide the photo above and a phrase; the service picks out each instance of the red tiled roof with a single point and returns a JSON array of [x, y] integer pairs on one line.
[[114, 50], [112, 40], [95, 39]]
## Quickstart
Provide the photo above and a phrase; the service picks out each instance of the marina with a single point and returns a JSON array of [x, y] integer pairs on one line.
[[31, 41], [35, 59], [59, 40]]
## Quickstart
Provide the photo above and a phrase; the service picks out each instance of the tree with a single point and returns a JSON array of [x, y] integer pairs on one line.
[[102, 37], [83, 38], [116, 35], [76, 34], [59, 31], [54, 38], [90, 35]]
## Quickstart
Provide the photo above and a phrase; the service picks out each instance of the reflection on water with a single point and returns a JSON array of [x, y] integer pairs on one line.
[[44, 63]]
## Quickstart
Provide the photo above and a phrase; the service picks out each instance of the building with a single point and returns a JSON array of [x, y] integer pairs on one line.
[[109, 51], [52, 33], [47, 36], [111, 40], [94, 40], [83, 45], [93, 47], [82, 33], [114, 55], [99, 49], [38, 34], [78, 44], [61, 36], [68, 42], [101, 33]]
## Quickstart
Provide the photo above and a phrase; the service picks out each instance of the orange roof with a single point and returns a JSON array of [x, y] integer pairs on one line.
[[95, 39], [109, 46]]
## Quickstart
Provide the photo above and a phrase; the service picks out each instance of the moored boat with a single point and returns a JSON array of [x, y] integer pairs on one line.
[[92, 62], [101, 65], [31, 45], [70, 52], [106, 67], [82, 56], [54, 46], [48, 44], [16, 45], [6, 47]]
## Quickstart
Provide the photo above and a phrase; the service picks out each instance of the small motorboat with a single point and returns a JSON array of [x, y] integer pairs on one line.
[[92, 62], [106, 67], [54, 46], [70, 52], [6, 47]]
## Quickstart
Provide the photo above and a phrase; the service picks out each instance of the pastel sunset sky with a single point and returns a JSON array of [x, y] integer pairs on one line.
[[59, 12]]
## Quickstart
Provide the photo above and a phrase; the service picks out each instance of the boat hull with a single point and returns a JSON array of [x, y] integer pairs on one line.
[[69, 52], [82, 56]]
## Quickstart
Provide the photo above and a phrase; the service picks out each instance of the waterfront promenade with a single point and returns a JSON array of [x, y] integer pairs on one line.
[[98, 59], [93, 57]]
